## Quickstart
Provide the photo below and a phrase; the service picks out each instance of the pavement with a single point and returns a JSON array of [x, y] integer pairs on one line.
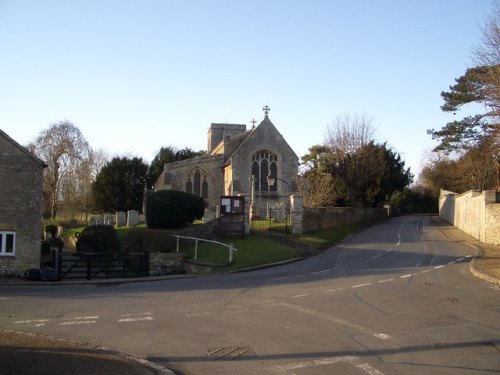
[[25, 353]]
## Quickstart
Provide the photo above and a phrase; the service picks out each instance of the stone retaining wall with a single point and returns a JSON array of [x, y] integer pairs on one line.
[[476, 213]]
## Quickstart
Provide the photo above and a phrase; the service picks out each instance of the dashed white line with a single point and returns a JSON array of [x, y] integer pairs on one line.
[[32, 321], [77, 322], [300, 295], [406, 276], [138, 317], [385, 281], [379, 255], [135, 319], [438, 267], [333, 290], [361, 285]]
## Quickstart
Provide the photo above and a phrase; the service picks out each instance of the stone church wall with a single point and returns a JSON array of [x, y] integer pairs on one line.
[[175, 176]]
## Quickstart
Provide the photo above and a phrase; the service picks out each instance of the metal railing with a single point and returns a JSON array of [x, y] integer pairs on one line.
[[230, 246]]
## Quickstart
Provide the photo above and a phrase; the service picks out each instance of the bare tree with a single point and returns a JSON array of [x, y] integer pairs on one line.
[[487, 54], [66, 152], [348, 133], [320, 189]]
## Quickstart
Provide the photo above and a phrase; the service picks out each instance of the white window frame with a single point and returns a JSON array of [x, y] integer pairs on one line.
[[3, 243]]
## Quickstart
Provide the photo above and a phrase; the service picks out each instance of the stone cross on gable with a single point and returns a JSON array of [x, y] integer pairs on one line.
[[266, 110], [253, 123]]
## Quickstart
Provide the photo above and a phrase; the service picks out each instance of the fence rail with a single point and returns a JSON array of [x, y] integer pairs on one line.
[[230, 246]]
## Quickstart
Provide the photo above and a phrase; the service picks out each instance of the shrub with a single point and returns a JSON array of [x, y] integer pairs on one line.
[[170, 209], [51, 229], [98, 239]]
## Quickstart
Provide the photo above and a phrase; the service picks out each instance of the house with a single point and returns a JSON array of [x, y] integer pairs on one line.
[[236, 159], [21, 184]]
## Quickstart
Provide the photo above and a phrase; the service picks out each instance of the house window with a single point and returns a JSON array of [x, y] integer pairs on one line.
[[197, 183], [264, 164], [7, 243]]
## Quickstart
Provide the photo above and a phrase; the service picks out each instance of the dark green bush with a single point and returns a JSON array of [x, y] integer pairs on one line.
[[98, 239], [52, 229], [170, 209], [45, 247]]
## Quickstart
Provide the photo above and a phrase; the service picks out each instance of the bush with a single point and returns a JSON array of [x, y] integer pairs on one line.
[[170, 209], [98, 239]]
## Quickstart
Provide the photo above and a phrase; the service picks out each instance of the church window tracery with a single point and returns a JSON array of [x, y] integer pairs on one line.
[[264, 164], [197, 183]]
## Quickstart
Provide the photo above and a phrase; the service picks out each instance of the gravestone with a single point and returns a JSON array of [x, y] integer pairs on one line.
[[132, 218], [120, 219]]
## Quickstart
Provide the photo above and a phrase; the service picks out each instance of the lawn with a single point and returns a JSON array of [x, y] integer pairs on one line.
[[259, 248], [253, 250]]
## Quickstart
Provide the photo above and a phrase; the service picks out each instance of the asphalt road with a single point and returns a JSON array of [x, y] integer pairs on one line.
[[396, 298]]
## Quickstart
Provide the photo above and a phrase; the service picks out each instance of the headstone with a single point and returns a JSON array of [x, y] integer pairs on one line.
[[120, 219], [99, 220], [132, 218]]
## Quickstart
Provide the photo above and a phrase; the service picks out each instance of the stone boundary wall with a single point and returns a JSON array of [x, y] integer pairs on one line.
[[161, 240], [330, 217], [476, 213]]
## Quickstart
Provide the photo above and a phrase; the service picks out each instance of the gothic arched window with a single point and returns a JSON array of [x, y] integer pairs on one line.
[[264, 164], [197, 183]]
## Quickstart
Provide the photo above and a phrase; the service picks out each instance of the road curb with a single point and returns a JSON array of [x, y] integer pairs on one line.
[[474, 271], [139, 361], [472, 265]]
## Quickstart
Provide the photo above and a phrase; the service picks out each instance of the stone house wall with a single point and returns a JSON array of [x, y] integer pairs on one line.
[[475, 213], [21, 176]]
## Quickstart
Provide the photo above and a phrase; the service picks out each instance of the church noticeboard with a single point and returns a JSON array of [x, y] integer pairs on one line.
[[232, 205]]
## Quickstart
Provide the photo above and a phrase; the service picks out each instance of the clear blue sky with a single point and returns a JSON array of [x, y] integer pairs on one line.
[[137, 75]]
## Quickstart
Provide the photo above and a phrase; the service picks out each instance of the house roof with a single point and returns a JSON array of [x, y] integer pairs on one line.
[[22, 148]]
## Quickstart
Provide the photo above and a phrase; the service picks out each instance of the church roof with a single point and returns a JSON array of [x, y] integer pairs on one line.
[[240, 140]]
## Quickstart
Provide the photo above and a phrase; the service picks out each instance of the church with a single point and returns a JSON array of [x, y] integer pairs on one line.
[[257, 163]]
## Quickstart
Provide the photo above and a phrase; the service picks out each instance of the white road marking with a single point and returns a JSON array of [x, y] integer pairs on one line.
[[83, 318], [438, 267], [352, 360], [32, 321], [135, 319], [333, 290], [425, 271], [301, 295], [405, 276], [379, 255], [334, 319], [360, 285], [4, 298], [399, 242], [77, 322], [385, 281]]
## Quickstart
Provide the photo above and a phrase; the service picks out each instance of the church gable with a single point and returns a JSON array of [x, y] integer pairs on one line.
[[236, 158]]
